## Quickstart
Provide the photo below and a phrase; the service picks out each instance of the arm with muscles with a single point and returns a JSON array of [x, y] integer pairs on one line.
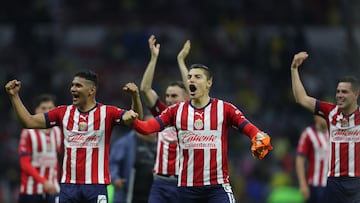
[[149, 94], [142, 127], [27, 120], [300, 172], [136, 105], [181, 62], [298, 89]]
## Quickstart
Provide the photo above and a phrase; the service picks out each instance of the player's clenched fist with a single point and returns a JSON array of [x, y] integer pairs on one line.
[[298, 59], [13, 87]]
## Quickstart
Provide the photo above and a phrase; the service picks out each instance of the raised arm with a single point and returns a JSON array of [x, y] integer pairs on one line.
[[181, 62], [136, 105], [298, 89], [27, 120], [150, 96]]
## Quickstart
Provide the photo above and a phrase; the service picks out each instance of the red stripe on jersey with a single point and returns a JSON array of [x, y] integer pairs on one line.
[[38, 139], [161, 151], [332, 162], [184, 117], [357, 160], [70, 121], [213, 111], [185, 167], [97, 119], [198, 178], [213, 172], [172, 159], [80, 163], [68, 165], [94, 161], [344, 159]]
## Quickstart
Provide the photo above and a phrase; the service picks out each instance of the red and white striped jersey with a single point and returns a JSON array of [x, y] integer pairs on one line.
[[86, 141], [314, 145], [167, 151], [42, 151], [202, 135], [344, 133]]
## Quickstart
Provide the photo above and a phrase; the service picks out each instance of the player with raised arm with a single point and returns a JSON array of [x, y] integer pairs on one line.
[[166, 168], [343, 120], [87, 127], [202, 128]]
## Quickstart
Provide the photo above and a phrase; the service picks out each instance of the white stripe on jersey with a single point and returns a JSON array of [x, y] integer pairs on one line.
[[220, 117]]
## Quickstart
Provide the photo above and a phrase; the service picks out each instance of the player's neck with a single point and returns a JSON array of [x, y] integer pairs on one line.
[[87, 107], [200, 102], [350, 110]]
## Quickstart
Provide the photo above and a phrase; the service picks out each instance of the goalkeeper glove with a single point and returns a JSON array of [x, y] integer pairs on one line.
[[260, 145]]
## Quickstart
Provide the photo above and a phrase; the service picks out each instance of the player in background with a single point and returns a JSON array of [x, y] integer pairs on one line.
[[312, 160], [87, 127], [343, 120], [166, 168], [38, 151], [202, 127]]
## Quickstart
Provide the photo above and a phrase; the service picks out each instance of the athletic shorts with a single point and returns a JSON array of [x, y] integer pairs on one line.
[[221, 193], [343, 190], [84, 193]]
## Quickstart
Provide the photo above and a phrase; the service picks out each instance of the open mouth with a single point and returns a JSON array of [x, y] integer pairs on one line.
[[192, 88]]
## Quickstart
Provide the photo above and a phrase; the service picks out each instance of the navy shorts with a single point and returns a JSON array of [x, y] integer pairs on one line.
[[23, 198], [343, 190], [317, 194], [221, 193], [84, 193], [164, 190]]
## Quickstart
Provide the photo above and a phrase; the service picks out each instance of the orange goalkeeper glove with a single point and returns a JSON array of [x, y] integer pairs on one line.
[[260, 145]]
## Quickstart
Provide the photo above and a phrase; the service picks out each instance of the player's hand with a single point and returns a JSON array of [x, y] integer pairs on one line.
[[298, 59], [119, 183], [260, 145], [50, 188], [305, 191], [13, 87], [154, 48], [131, 88], [129, 117], [184, 51]]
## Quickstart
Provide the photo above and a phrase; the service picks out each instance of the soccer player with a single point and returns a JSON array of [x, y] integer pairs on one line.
[[38, 151], [343, 119], [202, 128], [166, 169], [87, 127], [312, 160]]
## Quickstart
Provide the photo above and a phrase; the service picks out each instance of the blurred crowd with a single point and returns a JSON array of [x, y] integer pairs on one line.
[[248, 44]]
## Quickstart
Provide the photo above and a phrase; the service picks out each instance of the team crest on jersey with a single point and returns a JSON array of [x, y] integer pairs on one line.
[[198, 124], [83, 126], [344, 122]]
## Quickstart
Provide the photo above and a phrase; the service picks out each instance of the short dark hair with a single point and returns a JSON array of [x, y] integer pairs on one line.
[[88, 75], [208, 72], [43, 98], [177, 83], [355, 84]]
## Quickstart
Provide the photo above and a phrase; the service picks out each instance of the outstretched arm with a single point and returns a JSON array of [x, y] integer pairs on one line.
[[27, 120], [182, 66], [150, 96], [298, 89]]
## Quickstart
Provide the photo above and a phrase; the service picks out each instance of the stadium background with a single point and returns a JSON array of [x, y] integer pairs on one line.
[[249, 45]]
